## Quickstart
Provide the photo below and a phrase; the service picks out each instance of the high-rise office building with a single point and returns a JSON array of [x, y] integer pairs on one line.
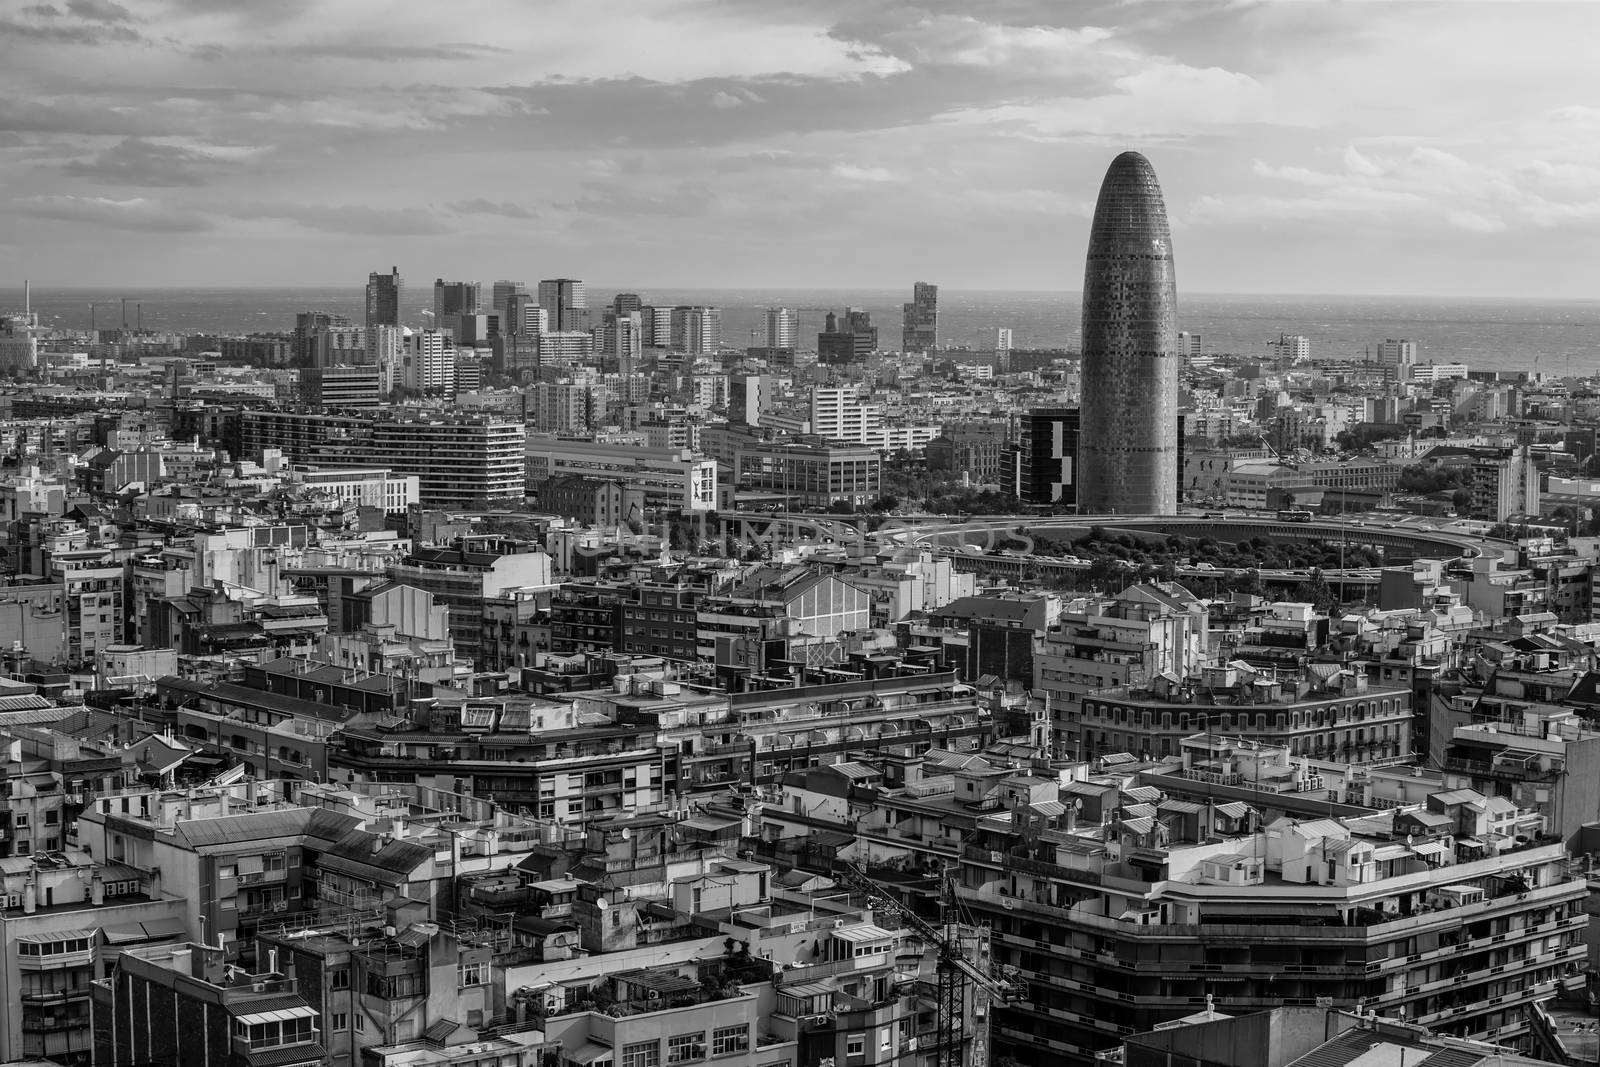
[[383, 298], [1128, 445], [1399, 354], [307, 324], [850, 341], [782, 328], [1048, 441], [696, 330], [524, 316], [620, 342], [453, 299], [1188, 343], [920, 326], [1002, 341], [626, 303], [340, 346], [565, 303], [502, 292]]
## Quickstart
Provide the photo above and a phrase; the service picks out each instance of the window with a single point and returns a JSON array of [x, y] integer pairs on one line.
[[643, 1054], [686, 1048], [339, 978], [361, 1025], [855, 1046], [20, 820], [729, 1039], [225, 872], [472, 973], [52, 817], [339, 1022]]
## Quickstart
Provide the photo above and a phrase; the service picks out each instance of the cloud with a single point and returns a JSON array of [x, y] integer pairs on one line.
[[851, 172], [139, 162], [90, 33], [489, 207], [99, 10], [724, 100], [138, 214], [356, 220], [1419, 188], [361, 51]]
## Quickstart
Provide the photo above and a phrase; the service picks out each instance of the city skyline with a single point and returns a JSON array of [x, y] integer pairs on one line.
[[1367, 148]]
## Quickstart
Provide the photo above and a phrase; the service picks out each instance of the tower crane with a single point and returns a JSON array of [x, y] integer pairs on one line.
[[955, 971]]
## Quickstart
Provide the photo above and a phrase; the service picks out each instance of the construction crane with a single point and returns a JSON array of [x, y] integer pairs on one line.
[[955, 971]]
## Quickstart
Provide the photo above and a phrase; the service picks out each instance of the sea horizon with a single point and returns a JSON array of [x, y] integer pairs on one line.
[[1557, 336]]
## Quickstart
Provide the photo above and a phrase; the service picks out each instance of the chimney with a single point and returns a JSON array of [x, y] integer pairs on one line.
[[97, 890], [30, 896], [272, 961]]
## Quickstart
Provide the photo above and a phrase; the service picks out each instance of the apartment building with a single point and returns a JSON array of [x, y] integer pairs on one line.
[[1156, 914], [186, 1004], [1142, 633], [837, 414], [1321, 711], [675, 479], [462, 462], [372, 487]]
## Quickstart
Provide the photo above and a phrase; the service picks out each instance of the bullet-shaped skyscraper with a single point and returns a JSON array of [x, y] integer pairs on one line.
[[1128, 445]]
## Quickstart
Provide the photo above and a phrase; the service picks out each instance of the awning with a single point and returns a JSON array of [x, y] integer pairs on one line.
[[159, 929], [124, 935], [281, 1015], [1233, 810], [863, 933], [58, 935], [807, 989], [1430, 848], [830, 839], [587, 1052], [440, 1031]]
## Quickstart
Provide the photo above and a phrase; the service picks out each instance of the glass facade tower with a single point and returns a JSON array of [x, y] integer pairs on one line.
[[1128, 446]]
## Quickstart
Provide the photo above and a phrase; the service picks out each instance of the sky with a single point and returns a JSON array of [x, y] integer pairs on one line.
[[1359, 147]]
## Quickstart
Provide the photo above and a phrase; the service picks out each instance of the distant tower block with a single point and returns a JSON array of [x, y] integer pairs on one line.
[[1128, 448]]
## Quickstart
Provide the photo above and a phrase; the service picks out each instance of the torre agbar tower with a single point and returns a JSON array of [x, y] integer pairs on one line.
[[1128, 446]]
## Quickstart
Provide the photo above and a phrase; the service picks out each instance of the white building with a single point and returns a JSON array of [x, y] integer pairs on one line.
[[669, 478], [782, 328], [839, 415], [429, 363], [697, 330], [1290, 348], [373, 487]]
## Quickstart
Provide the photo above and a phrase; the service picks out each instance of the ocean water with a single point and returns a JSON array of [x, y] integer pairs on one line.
[[1557, 338]]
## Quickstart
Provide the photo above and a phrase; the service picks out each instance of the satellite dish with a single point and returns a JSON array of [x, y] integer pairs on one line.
[[602, 903], [1007, 903], [627, 833]]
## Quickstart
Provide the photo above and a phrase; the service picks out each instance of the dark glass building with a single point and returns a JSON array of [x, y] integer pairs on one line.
[[383, 298], [919, 328], [1128, 447], [850, 341], [1048, 439]]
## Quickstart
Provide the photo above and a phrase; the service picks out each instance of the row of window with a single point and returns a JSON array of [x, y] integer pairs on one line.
[[688, 1048]]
